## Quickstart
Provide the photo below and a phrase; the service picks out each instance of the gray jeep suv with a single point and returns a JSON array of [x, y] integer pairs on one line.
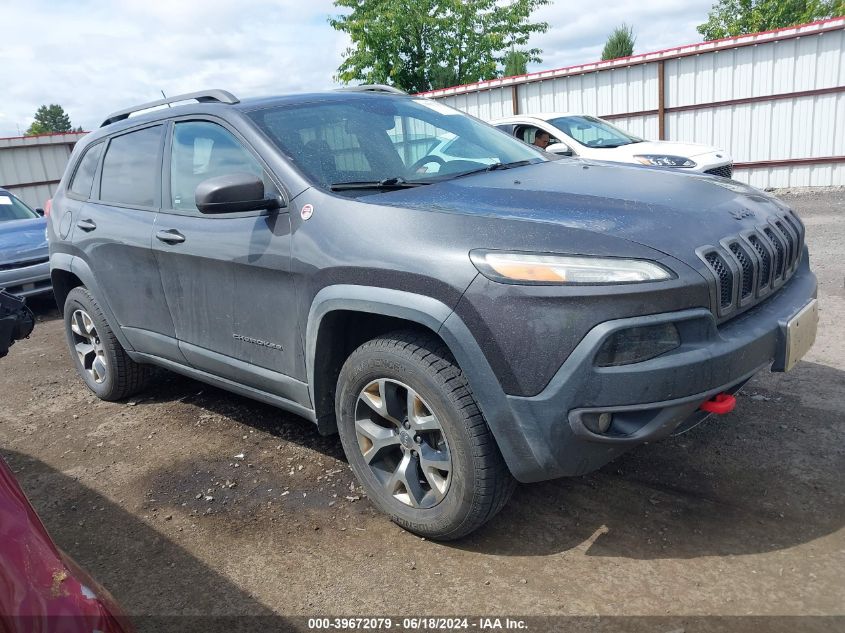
[[462, 320]]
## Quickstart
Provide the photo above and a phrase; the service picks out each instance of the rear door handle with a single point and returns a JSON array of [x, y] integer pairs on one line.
[[86, 225], [171, 236]]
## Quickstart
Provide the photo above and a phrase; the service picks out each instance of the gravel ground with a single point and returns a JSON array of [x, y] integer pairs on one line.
[[188, 500]]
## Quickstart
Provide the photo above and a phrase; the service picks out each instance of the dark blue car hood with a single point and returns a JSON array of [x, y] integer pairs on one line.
[[667, 210], [22, 240]]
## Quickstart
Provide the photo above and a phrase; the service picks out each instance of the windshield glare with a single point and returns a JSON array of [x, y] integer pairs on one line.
[[593, 132], [371, 138], [13, 209]]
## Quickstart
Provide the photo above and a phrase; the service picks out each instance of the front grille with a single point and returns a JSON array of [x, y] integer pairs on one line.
[[779, 251], [724, 276], [746, 267], [764, 258], [725, 171], [31, 262]]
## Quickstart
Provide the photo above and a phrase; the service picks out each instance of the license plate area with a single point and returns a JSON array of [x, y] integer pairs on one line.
[[800, 334]]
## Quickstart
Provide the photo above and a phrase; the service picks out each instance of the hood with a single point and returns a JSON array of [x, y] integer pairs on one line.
[[21, 240], [670, 148], [662, 209]]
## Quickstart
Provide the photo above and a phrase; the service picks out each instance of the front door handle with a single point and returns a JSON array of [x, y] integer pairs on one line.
[[86, 225], [171, 236]]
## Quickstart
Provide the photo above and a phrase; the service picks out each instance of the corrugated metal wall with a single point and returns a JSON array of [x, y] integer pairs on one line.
[[775, 101], [31, 166]]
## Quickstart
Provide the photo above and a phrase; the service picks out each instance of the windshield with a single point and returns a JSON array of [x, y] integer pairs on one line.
[[373, 139], [593, 132], [13, 209]]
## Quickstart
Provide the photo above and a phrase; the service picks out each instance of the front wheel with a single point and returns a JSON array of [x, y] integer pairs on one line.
[[416, 439]]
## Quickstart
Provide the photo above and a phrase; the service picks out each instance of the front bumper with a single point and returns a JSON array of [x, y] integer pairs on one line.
[[25, 281], [649, 400]]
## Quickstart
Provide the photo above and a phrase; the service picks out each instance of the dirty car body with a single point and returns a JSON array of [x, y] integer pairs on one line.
[[589, 307]]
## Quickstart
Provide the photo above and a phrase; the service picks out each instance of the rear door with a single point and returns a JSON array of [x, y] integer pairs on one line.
[[227, 276], [112, 228]]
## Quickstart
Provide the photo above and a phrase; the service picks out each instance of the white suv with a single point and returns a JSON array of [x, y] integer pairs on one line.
[[591, 137]]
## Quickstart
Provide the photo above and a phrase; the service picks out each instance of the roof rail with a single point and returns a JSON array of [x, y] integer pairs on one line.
[[203, 96], [374, 88]]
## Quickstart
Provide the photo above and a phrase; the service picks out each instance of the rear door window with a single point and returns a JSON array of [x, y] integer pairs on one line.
[[83, 179], [131, 168]]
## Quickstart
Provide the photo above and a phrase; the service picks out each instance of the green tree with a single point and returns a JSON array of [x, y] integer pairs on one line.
[[620, 43], [738, 17], [516, 63], [426, 43], [51, 118]]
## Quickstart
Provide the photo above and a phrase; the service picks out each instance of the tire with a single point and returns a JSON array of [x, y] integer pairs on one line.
[[98, 356], [402, 474]]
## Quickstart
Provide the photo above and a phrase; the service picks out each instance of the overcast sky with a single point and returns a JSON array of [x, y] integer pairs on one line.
[[96, 56]]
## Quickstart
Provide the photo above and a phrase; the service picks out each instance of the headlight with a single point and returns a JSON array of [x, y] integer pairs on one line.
[[664, 161], [565, 269]]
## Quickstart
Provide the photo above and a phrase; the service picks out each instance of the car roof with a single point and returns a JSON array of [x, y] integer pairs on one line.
[[161, 113]]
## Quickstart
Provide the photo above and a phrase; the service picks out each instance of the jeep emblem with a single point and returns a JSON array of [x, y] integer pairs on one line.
[[739, 214]]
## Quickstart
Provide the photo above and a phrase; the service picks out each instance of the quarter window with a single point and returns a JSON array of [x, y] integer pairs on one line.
[[84, 176], [130, 168], [203, 150]]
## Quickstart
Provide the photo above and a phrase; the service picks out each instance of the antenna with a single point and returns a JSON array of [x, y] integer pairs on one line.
[[165, 98]]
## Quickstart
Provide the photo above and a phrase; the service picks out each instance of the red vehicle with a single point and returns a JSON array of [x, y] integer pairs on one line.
[[41, 589]]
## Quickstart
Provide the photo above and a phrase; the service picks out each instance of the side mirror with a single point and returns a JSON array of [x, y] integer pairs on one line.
[[232, 193], [562, 149], [40, 211]]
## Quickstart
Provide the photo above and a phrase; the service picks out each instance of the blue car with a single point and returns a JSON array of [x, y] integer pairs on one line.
[[24, 256]]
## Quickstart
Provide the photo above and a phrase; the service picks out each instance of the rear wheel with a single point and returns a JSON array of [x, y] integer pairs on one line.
[[415, 438], [98, 356]]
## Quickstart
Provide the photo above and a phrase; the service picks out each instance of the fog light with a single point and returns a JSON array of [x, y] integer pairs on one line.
[[598, 423], [638, 344], [604, 422]]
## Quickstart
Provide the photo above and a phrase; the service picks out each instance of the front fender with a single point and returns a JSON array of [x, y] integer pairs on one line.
[[426, 311], [441, 320]]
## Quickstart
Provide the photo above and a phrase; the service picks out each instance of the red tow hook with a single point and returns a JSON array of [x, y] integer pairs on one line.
[[719, 404]]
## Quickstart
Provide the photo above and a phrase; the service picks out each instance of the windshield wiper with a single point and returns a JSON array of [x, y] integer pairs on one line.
[[386, 183], [495, 167]]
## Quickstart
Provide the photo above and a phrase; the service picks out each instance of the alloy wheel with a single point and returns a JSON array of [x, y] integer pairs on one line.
[[88, 347], [403, 443]]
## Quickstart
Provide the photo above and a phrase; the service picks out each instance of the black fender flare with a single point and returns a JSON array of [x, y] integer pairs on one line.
[[445, 323], [79, 267]]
